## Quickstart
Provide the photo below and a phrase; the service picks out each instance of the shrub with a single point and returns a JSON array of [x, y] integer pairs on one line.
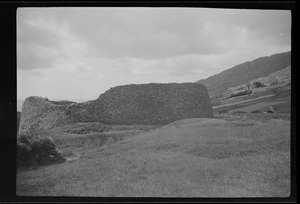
[[239, 112], [33, 150], [273, 83], [241, 93], [256, 111], [223, 111], [258, 84]]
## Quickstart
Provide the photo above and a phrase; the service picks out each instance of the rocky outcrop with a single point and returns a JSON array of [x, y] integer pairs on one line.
[[129, 105]]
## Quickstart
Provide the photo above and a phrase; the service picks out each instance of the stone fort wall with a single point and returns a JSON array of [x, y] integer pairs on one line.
[[153, 103], [132, 104]]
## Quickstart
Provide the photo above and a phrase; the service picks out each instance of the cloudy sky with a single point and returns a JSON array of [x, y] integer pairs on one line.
[[78, 53]]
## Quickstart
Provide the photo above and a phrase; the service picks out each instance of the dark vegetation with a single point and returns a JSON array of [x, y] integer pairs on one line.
[[59, 144], [34, 151], [241, 93], [258, 84]]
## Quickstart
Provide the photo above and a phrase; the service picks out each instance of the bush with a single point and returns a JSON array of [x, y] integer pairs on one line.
[[33, 150], [224, 111], [241, 93], [273, 83], [256, 111], [239, 112], [258, 84]]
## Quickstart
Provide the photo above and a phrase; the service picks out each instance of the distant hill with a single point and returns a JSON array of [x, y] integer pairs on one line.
[[243, 73], [276, 77]]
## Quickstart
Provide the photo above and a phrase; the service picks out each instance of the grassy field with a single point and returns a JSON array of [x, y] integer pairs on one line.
[[229, 156]]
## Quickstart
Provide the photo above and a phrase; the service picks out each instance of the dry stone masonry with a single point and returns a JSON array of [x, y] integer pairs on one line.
[[39, 113], [148, 104]]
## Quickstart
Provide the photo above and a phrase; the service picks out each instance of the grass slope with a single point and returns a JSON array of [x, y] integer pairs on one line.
[[225, 157]]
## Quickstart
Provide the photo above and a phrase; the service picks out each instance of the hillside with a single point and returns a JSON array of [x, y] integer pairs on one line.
[[240, 156], [283, 75], [276, 80], [243, 73]]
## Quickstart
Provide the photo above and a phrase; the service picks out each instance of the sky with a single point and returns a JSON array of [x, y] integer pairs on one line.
[[79, 53]]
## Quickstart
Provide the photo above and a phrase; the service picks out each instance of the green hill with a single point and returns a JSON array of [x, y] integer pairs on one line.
[[243, 73]]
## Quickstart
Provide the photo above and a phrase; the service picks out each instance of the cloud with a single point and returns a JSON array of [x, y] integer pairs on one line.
[[152, 33], [42, 42], [149, 33], [93, 49]]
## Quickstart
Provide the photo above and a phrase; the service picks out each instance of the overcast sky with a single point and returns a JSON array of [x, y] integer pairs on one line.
[[78, 53]]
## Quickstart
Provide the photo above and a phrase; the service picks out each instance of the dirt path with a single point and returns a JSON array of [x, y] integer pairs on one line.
[[76, 156]]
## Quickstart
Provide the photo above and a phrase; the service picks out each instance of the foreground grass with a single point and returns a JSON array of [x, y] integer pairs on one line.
[[189, 158]]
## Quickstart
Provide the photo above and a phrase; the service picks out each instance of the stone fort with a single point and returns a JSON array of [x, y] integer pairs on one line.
[[150, 104]]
